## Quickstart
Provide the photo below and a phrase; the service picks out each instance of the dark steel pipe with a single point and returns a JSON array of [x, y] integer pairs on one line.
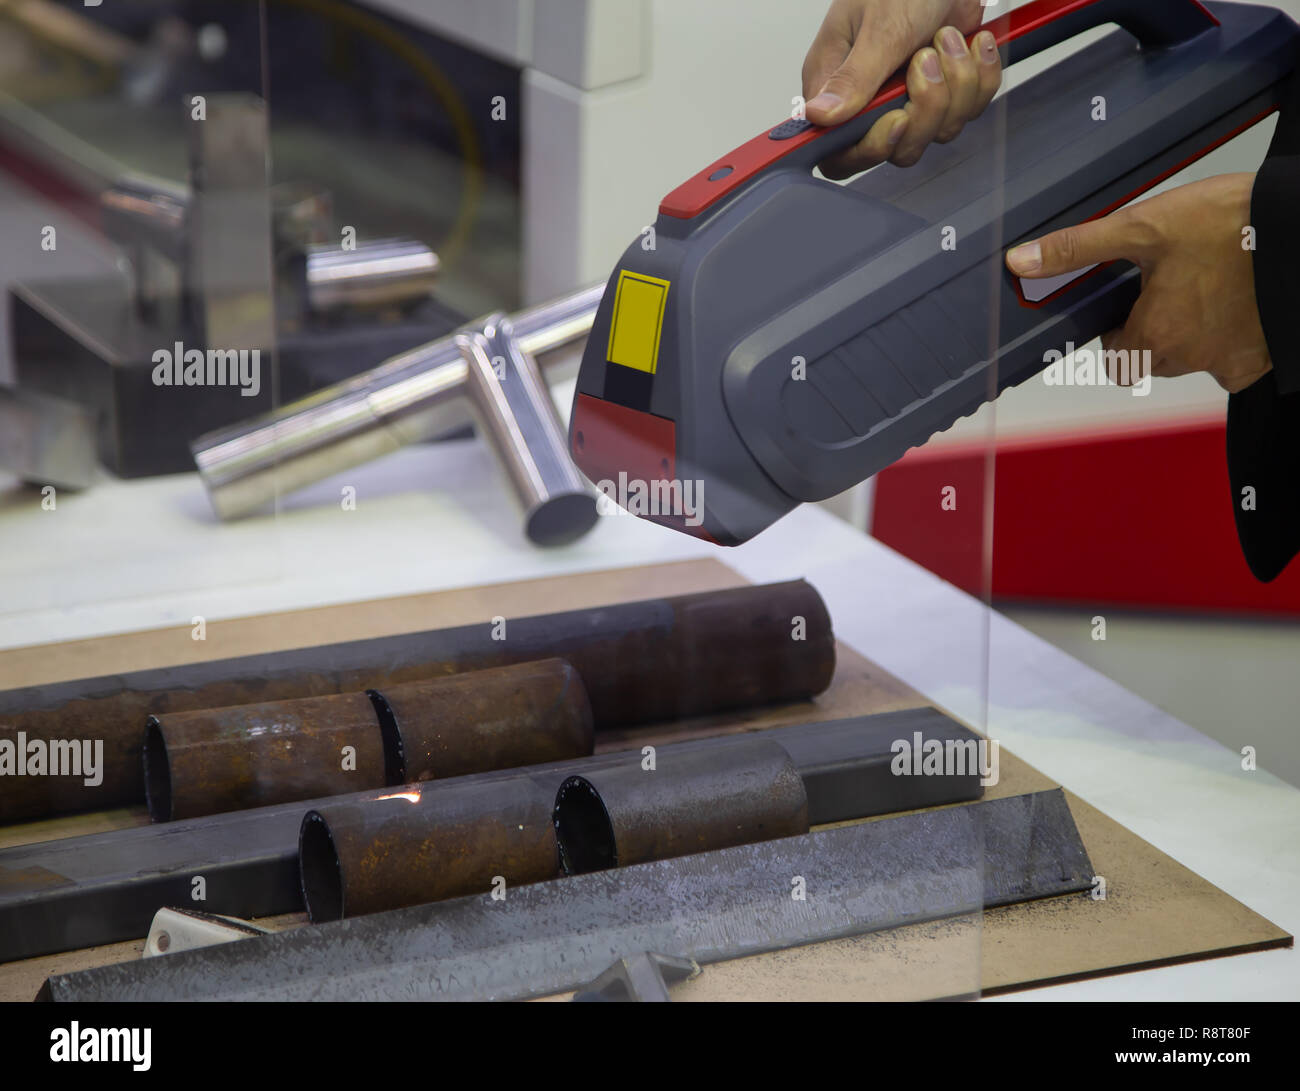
[[524, 714], [227, 759], [691, 801], [661, 659]]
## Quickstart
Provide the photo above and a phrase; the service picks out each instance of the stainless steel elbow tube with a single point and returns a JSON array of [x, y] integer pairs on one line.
[[420, 395]]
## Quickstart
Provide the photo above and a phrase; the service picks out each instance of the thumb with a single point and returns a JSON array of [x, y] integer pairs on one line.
[[1078, 247], [849, 88]]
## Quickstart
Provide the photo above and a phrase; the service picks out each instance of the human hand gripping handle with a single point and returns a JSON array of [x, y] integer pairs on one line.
[[862, 42], [1197, 310], [1025, 31], [951, 84]]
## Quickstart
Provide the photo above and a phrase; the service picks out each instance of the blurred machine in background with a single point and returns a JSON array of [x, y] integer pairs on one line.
[[505, 148]]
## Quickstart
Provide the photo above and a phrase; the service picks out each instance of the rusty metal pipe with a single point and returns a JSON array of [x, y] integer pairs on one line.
[[690, 801], [661, 659], [424, 843], [524, 714], [412, 847], [228, 759]]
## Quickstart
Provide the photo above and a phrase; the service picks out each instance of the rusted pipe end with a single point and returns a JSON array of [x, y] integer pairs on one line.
[[452, 725], [319, 871], [157, 772], [391, 735], [583, 829]]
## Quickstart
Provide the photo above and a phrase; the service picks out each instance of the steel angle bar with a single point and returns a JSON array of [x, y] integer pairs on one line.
[[102, 888], [558, 935]]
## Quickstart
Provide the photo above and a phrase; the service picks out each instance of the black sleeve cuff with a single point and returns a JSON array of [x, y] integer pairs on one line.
[[1275, 215], [1264, 472]]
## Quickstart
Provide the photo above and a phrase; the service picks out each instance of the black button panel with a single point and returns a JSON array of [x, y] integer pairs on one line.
[[790, 128]]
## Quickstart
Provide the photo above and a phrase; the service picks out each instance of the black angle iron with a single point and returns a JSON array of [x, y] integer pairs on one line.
[[785, 338], [560, 935]]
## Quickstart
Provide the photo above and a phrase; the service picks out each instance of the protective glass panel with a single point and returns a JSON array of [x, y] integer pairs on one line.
[[467, 520]]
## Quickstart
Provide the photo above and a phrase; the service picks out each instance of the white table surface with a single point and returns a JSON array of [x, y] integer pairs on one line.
[[133, 555]]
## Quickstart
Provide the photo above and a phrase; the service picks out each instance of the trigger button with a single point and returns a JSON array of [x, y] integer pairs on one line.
[[790, 128]]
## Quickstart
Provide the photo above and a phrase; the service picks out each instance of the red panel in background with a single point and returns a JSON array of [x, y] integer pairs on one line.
[[1139, 519]]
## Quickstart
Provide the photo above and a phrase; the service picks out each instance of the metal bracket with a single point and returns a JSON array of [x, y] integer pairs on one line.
[[185, 929], [643, 977]]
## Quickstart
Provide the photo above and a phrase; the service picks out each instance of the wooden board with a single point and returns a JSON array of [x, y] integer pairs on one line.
[[1155, 912]]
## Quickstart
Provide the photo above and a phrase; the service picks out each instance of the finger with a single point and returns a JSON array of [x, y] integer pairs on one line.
[[961, 74], [989, 69], [854, 81], [868, 49], [874, 148], [1140, 346], [1108, 239], [1125, 356], [927, 107], [828, 51]]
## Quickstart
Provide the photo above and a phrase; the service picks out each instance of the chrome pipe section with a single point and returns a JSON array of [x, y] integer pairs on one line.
[[385, 272], [515, 412], [413, 397]]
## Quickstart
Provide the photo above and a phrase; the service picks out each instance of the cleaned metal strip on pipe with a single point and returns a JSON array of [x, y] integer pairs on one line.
[[102, 888], [686, 802], [553, 937], [415, 396], [660, 659]]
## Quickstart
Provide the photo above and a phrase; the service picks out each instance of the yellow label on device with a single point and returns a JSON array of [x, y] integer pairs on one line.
[[638, 321]]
